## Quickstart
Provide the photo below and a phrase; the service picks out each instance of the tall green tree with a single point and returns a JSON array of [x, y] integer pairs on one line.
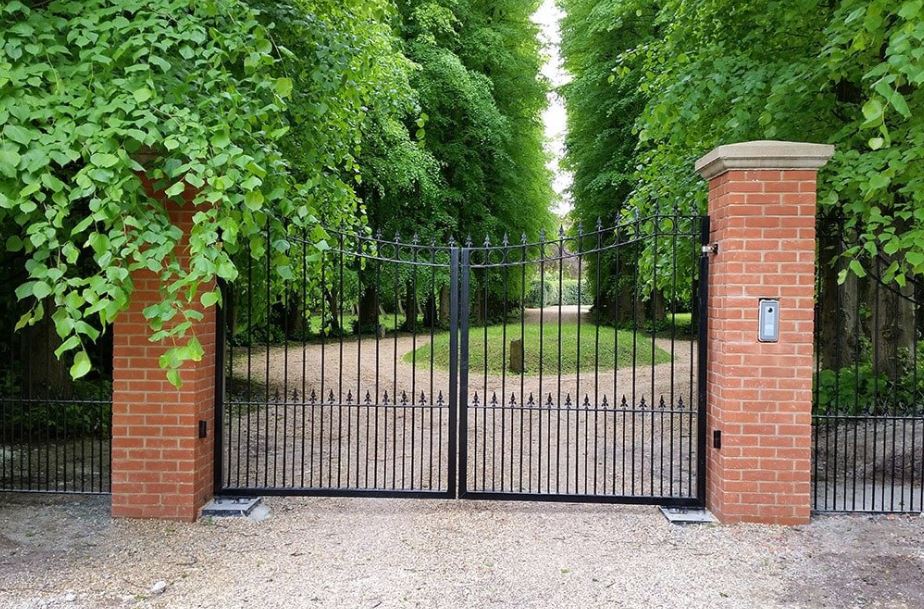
[[719, 71]]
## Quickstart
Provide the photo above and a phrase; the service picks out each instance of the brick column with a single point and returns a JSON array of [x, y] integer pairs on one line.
[[759, 394], [161, 468]]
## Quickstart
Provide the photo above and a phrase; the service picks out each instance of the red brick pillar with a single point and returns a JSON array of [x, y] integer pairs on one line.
[[161, 468], [759, 394]]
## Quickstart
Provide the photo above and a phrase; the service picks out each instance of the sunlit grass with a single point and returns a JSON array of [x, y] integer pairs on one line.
[[601, 347]]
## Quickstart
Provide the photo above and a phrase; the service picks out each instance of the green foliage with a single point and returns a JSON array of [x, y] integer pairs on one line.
[[92, 95], [860, 389], [568, 295], [260, 118], [685, 77], [593, 355], [481, 96]]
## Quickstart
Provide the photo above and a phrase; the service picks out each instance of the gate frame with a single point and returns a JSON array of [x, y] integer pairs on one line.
[[697, 501]]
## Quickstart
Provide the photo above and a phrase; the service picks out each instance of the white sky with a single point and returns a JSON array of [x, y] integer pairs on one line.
[[548, 18]]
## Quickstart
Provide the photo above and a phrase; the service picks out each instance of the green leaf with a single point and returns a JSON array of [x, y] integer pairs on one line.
[[175, 189], [81, 365], [103, 159], [40, 290], [9, 158], [142, 94], [901, 106], [857, 268], [210, 298], [18, 134], [879, 181], [71, 343], [253, 199], [911, 9], [13, 243], [872, 110], [284, 87]]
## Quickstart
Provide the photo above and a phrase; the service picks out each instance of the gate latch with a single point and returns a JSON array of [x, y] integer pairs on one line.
[[712, 248]]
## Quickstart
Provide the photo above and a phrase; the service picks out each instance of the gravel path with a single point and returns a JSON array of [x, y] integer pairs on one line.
[[364, 365], [65, 552]]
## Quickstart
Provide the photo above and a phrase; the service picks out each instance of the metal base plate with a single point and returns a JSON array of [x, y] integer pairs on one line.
[[223, 507], [688, 516]]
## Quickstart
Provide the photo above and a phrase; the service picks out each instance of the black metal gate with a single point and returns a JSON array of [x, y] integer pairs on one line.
[[370, 366]]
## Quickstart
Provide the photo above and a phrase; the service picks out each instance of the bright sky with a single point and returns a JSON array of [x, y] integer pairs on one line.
[[555, 118]]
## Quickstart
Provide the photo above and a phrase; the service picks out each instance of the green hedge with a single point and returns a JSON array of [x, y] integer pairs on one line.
[[568, 294]]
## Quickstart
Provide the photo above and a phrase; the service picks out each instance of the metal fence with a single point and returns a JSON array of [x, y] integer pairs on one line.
[[55, 433], [868, 416]]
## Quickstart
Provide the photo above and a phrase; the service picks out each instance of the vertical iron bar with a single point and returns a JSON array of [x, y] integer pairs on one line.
[[458, 370], [220, 389], [702, 363]]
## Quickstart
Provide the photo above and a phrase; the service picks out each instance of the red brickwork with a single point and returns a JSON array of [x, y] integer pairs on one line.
[[160, 467], [760, 394]]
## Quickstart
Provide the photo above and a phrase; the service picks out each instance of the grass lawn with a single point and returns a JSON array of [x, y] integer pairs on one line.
[[608, 356]]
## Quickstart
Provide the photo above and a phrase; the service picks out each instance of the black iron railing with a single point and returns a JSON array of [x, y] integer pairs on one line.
[[868, 417]]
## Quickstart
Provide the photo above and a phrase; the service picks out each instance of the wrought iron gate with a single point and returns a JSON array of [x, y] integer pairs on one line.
[[371, 366]]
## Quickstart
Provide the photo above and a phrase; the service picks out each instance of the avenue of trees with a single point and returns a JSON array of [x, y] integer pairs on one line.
[[658, 83], [413, 117]]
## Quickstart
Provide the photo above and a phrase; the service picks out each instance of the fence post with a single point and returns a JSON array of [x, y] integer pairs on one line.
[[161, 467], [762, 199]]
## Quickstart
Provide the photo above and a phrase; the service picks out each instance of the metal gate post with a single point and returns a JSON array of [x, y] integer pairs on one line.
[[453, 368], [702, 360], [220, 346], [462, 324]]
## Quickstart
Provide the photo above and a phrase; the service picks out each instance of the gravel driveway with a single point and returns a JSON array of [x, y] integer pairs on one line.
[[61, 552]]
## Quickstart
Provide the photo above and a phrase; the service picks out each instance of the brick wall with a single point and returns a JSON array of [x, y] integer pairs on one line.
[[160, 467], [760, 394]]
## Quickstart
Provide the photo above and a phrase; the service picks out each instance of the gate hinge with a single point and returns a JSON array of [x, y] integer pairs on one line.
[[712, 248]]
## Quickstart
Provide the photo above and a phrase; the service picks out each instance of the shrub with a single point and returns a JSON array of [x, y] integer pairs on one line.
[[567, 294]]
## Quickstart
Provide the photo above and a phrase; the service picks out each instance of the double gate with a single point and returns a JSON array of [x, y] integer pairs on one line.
[[372, 366]]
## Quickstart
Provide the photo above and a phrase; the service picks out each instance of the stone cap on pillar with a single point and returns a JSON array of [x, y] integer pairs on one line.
[[764, 154]]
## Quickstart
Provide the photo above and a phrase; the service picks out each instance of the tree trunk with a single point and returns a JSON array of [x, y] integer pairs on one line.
[[893, 326], [410, 309], [830, 352], [334, 310], [430, 312], [368, 309], [444, 305], [658, 306]]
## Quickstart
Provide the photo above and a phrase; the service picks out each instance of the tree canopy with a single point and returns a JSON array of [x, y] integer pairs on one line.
[[265, 117], [661, 83]]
